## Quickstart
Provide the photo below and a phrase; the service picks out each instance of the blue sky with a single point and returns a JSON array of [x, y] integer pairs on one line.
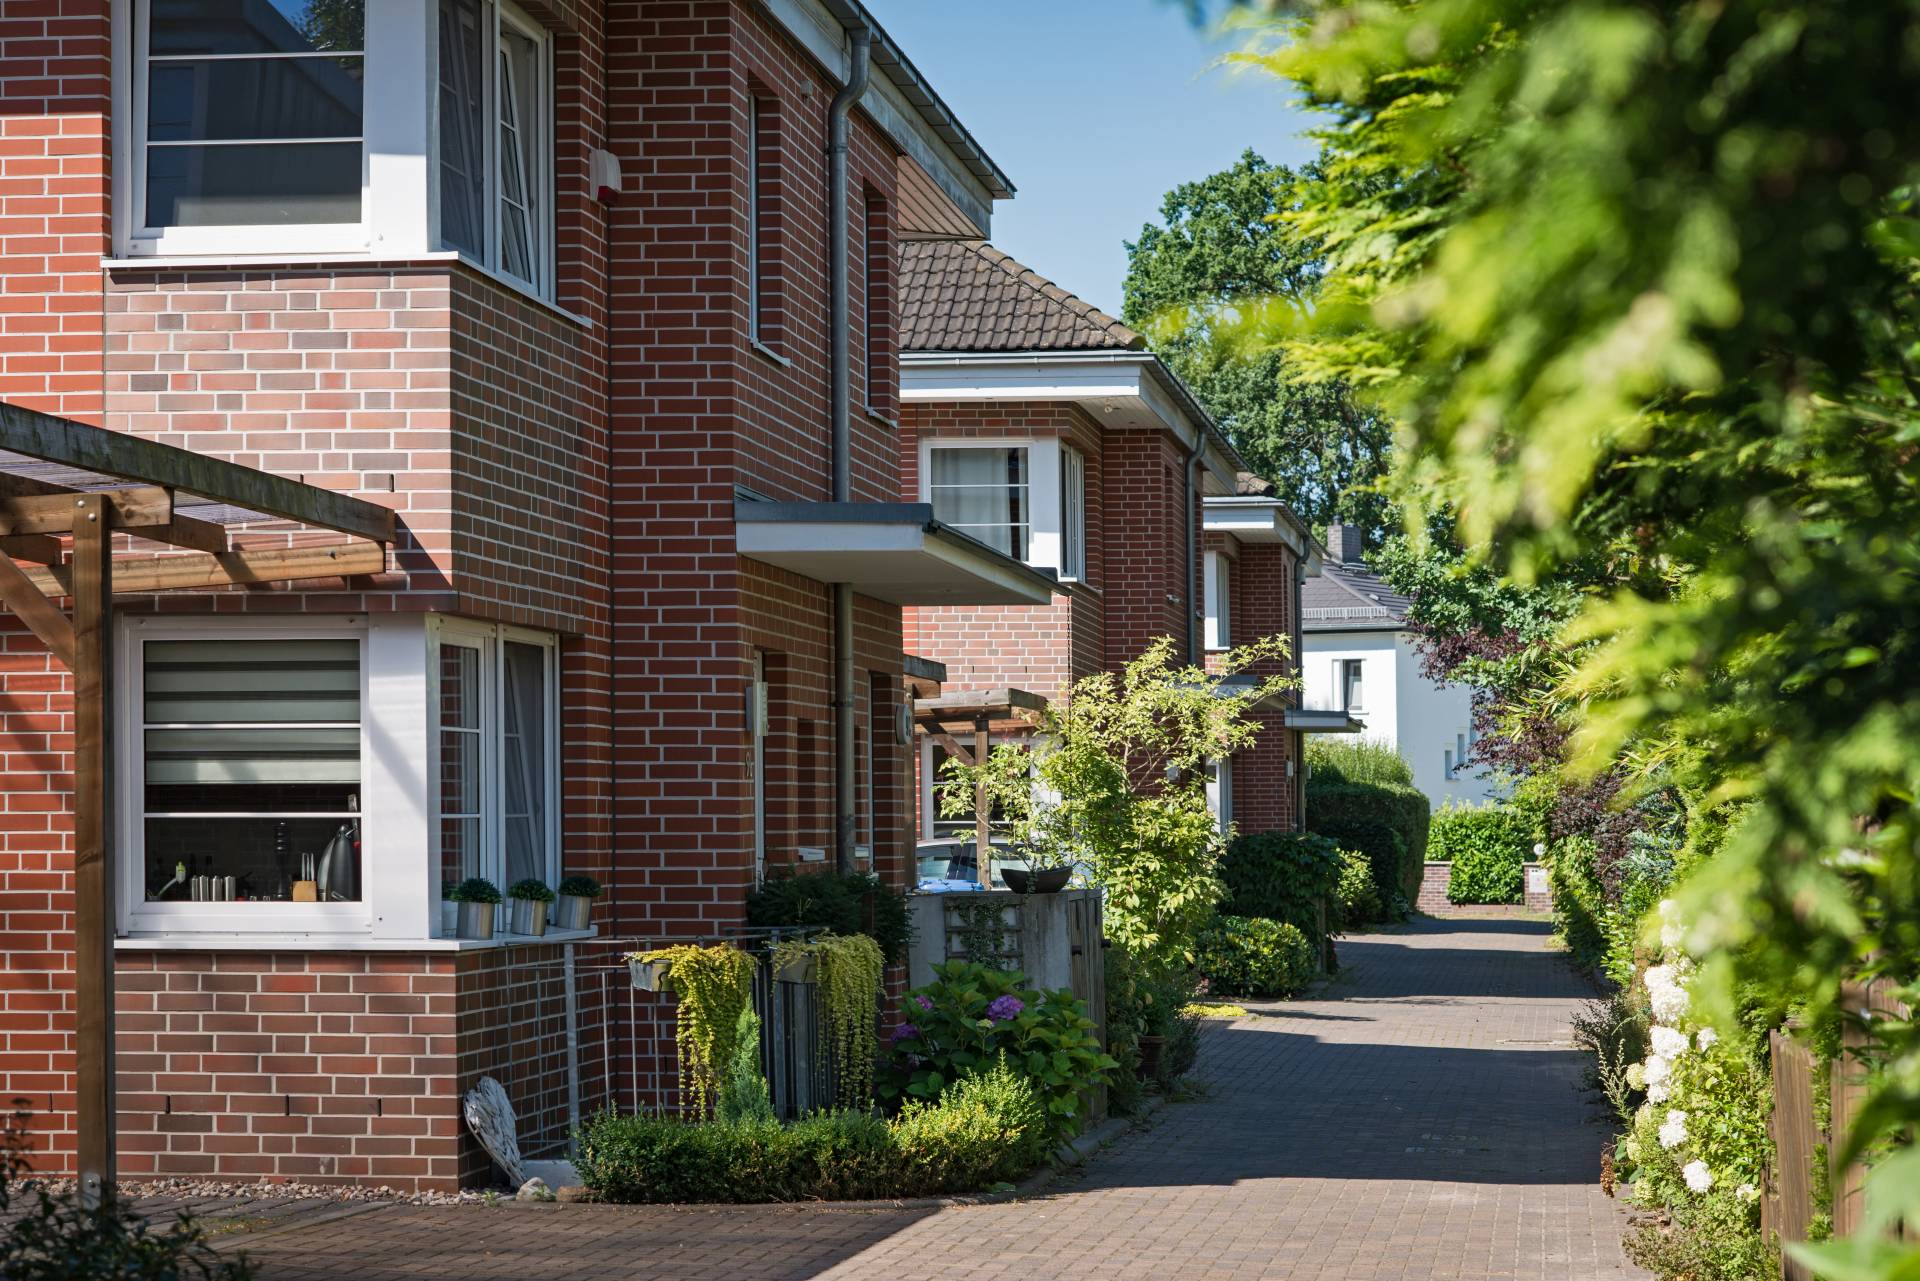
[[1095, 108]]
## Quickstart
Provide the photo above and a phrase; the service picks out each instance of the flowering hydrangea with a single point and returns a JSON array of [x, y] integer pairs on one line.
[[1672, 932], [1666, 990], [1658, 1069], [1005, 1007], [1637, 1075], [1707, 1036], [1673, 1131], [1669, 1042], [904, 1032], [923, 1002], [1699, 1178], [1747, 1192], [1659, 1093]]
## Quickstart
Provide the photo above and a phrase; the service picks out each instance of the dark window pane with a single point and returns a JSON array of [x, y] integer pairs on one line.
[[253, 98], [246, 185], [462, 119], [257, 26], [266, 857]]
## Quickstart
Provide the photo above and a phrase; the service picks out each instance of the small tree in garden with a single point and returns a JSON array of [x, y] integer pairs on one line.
[[1116, 778]]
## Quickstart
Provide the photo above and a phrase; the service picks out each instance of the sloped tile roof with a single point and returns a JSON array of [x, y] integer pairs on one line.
[[1349, 597], [965, 295]]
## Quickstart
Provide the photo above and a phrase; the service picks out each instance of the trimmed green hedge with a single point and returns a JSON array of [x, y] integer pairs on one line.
[[987, 1128], [1356, 816], [1281, 876], [1248, 956], [1486, 845]]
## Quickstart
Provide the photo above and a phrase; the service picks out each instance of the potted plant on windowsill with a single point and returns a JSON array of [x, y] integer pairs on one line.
[[531, 902], [575, 907], [449, 910], [477, 897]]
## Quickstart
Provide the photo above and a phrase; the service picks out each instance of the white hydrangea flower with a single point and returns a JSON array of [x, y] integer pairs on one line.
[[1637, 1075], [1707, 1036], [1659, 1093], [1747, 1192], [1699, 1178], [1667, 993], [1669, 1042], [1672, 932], [1673, 1131], [1657, 1069]]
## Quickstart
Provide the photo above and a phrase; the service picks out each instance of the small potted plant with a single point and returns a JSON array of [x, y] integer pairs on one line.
[[531, 901], [576, 902], [477, 897]]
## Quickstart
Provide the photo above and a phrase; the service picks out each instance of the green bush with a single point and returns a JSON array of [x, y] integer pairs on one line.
[[1486, 845], [849, 903], [1344, 759], [1354, 814], [984, 1129], [1356, 901], [970, 1015], [1248, 956], [1281, 876]]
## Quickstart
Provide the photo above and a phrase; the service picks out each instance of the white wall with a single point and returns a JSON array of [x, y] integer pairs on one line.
[[1401, 708]]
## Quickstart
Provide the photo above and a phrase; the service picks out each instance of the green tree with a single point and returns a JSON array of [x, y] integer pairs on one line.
[[1220, 254], [1641, 279]]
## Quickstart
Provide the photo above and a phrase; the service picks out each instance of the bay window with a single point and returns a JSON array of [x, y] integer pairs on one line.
[[337, 127], [1024, 498], [328, 775]]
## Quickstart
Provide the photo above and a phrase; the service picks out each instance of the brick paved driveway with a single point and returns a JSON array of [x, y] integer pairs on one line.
[[1419, 1120]]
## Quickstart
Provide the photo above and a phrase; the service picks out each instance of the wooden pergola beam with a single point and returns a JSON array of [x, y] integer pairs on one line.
[[92, 584], [228, 569], [112, 453], [132, 507], [38, 548], [40, 615], [189, 532]]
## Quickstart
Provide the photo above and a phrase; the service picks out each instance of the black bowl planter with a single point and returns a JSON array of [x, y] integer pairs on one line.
[[1048, 880]]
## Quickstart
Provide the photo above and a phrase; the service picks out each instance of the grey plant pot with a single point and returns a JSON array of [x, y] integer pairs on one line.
[[476, 920], [572, 912], [530, 917]]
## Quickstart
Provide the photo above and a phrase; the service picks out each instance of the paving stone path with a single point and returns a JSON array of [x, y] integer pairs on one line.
[[1419, 1119]]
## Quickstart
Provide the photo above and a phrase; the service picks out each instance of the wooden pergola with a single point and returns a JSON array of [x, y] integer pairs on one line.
[[979, 710], [66, 489]]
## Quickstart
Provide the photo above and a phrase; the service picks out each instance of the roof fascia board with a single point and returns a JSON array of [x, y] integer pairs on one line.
[[824, 37], [1245, 514]]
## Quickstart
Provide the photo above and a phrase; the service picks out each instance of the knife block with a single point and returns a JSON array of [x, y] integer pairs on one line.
[[306, 891]]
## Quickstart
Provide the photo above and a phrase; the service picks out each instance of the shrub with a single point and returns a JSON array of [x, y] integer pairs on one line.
[[1356, 901], [51, 1236], [1385, 851], [744, 1097], [845, 903], [1345, 759], [580, 886], [1247, 956], [1579, 906], [987, 1128], [1353, 814], [970, 1015], [475, 889], [530, 891], [1282, 876], [1487, 846]]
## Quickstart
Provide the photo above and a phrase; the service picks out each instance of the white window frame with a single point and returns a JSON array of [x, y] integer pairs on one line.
[[1046, 519], [138, 916], [490, 639], [1218, 587], [1342, 686], [1220, 793], [399, 155], [539, 179]]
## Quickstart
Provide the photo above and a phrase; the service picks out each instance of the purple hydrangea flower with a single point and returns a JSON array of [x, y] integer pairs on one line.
[[904, 1032], [923, 1002], [1005, 1007]]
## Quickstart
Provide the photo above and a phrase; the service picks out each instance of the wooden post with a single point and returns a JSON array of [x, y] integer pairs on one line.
[[92, 844], [982, 833]]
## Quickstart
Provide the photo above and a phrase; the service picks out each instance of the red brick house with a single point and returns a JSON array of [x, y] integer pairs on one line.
[[551, 280], [1044, 427]]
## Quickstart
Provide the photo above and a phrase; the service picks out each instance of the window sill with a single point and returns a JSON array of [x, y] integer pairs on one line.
[[335, 942], [770, 353], [891, 424], [216, 262]]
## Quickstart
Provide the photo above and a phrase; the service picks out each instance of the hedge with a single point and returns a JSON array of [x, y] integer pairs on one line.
[[1486, 846], [1355, 815], [1282, 876], [1248, 956], [843, 902]]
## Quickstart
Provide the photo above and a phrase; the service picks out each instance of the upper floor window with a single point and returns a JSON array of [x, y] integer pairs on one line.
[[1353, 692], [300, 127], [1218, 588], [983, 492], [1026, 498]]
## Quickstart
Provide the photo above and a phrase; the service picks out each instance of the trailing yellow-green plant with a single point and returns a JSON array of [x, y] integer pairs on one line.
[[850, 969], [713, 987]]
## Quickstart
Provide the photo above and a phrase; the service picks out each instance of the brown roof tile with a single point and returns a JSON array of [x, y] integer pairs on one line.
[[965, 295]]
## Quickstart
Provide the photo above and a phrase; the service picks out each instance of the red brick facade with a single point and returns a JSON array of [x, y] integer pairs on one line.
[[571, 468]]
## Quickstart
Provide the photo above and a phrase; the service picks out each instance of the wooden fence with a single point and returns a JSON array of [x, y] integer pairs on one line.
[[1800, 1142]]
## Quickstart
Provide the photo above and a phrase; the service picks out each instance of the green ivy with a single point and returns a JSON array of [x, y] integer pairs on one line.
[[1282, 876]]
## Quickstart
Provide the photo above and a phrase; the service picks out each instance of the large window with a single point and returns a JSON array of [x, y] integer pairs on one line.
[[983, 492], [299, 126], [249, 114], [496, 701]]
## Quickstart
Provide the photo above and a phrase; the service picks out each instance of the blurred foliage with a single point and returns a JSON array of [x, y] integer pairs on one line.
[[1221, 241], [1637, 282]]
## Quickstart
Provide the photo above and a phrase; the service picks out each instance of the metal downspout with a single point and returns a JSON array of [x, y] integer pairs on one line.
[[840, 406]]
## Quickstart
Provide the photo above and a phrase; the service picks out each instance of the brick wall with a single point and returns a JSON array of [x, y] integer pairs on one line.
[[1260, 604]]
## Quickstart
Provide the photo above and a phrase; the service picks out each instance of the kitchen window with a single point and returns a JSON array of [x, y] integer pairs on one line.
[[300, 127], [983, 492]]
